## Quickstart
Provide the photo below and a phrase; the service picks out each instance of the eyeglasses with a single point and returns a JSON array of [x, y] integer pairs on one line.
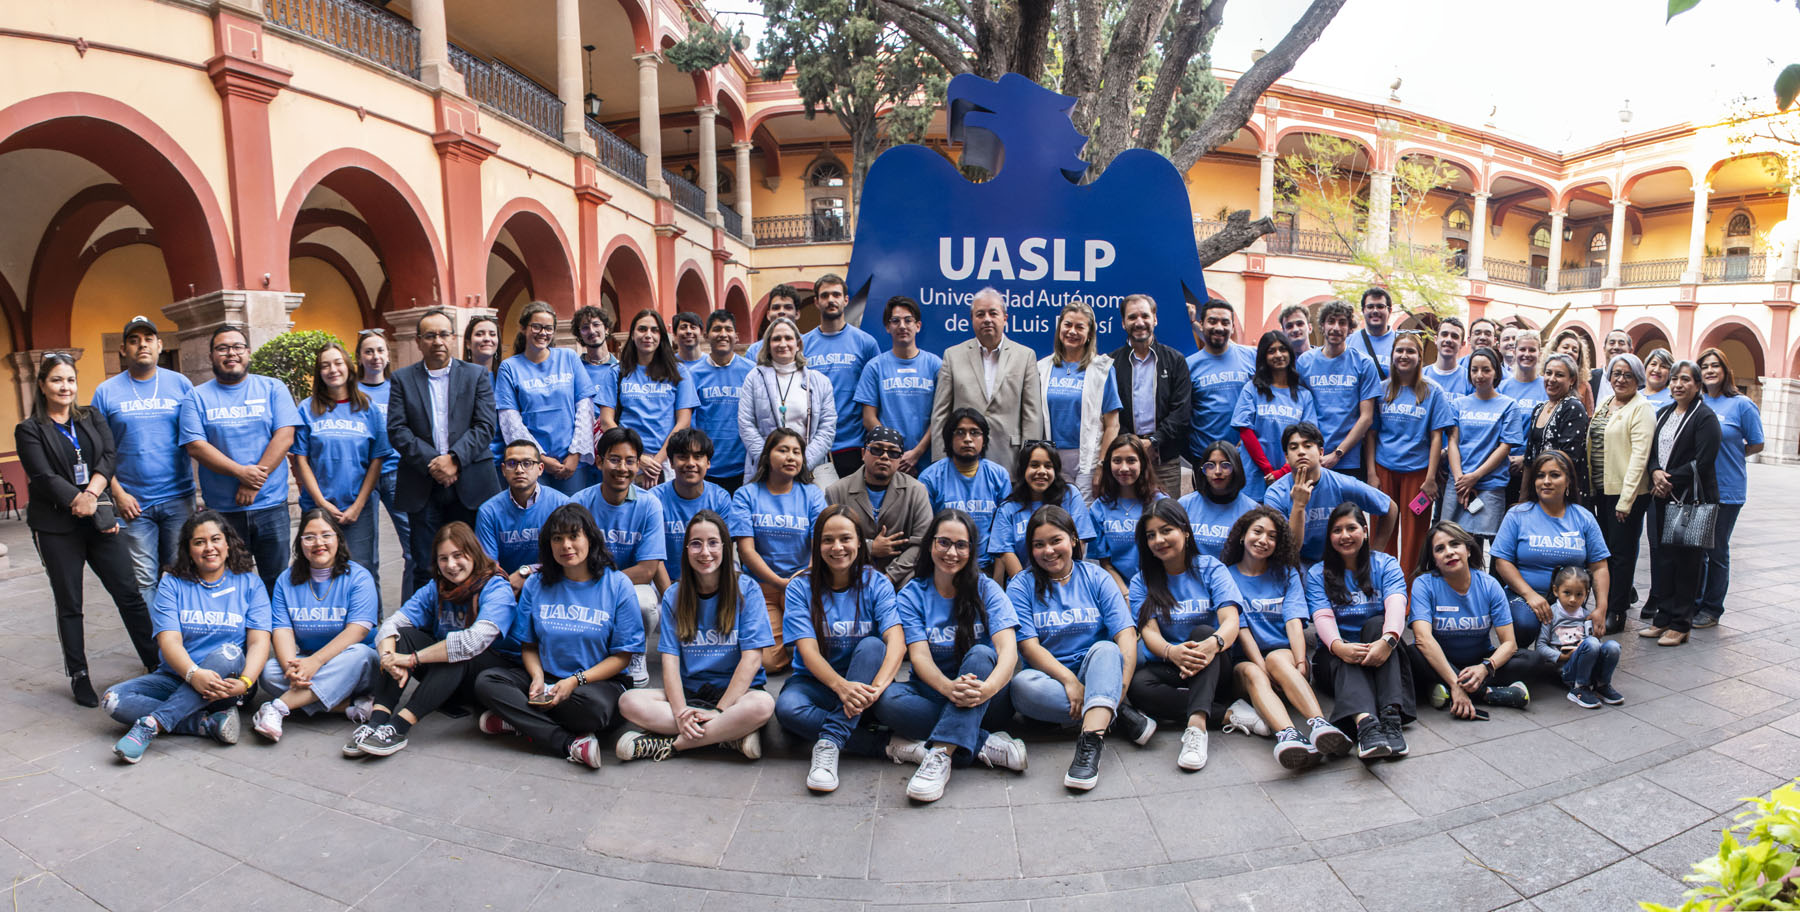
[[697, 544], [885, 452], [235, 348], [949, 544], [314, 538], [1211, 466], [514, 465], [969, 433], [539, 329], [371, 332], [436, 336], [621, 462]]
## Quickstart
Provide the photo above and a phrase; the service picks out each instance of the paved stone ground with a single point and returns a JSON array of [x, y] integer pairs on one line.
[[1553, 808]]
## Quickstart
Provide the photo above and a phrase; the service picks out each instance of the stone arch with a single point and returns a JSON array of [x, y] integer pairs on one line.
[[691, 294], [1455, 161], [626, 274], [408, 248], [640, 25], [1644, 330], [1630, 182], [1744, 333], [737, 302], [547, 257]]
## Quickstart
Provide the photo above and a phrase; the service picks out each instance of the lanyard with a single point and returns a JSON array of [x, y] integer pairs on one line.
[[68, 432]]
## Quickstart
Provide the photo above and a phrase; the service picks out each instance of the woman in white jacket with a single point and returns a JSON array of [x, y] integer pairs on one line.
[[1081, 396], [782, 392]]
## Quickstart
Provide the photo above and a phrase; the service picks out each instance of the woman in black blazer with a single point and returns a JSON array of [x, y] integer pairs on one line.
[[1681, 466], [68, 454]]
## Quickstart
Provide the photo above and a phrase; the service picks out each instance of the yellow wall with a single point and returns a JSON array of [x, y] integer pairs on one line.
[[9, 404], [1227, 183], [329, 304], [121, 284], [1665, 237]]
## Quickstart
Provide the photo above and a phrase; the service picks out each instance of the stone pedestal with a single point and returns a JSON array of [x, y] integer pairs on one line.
[[262, 314], [403, 329], [1781, 421]]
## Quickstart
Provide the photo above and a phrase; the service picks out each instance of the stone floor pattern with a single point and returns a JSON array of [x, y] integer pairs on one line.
[[1554, 808]]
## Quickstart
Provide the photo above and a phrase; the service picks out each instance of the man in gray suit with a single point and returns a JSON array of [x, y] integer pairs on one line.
[[892, 507], [994, 376]]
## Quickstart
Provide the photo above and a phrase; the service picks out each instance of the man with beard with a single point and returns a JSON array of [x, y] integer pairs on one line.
[[892, 507], [238, 426], [839, 351], [1155, 392], [1218, 372], [1618, 342], [1376, 338], [594, 331], [1345, 384]]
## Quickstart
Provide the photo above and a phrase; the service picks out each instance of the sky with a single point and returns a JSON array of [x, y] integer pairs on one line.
[[1555, 72]]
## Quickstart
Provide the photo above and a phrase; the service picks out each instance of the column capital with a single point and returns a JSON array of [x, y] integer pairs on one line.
[[743, 146], [1701, 189], [1481, 195], [707, 110], [647, 60], [1559, 213], [242, 77], [1270, 155], [1620, 202]]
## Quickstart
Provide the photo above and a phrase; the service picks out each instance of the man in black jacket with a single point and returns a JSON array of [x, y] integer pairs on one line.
[[441, 422], [1155, 393]]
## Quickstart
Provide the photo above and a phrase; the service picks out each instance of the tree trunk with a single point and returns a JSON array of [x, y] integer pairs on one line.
[[1141, 23], [1193, 27], [1239, 232]]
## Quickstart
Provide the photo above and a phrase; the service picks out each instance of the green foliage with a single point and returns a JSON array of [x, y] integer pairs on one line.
[[1758, 872], [707, 45], [289, 358]]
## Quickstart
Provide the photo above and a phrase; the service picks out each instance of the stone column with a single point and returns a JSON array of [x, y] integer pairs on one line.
[[262, 314], [709, 160], [1786, 268], [25, 367], [403, 332], [1615, 251], [568, 76], [743, 190], [1781, 419], [1265, 193], [1556, 242], [434, 47], [650, 123], [1697, 236], [1381, 201], [1478, 240]]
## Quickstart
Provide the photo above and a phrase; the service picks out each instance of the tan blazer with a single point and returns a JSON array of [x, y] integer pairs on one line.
[[1015, 412], [906, 509]]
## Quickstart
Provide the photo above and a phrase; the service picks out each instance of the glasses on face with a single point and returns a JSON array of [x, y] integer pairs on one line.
[[884, 452], [966, 433], [621, 462], [514, 465], [904, 320], [234, 348], [539, 329], [444, 336], [314, 538], [697, 545], [1620, 375], [950, 544], [1215, 467]]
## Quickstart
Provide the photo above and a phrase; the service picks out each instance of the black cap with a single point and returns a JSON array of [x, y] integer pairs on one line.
[[140, 323], [884, 435]]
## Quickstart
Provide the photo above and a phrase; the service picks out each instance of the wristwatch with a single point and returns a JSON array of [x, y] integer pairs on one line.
[[1391, 640], [1488, 664]]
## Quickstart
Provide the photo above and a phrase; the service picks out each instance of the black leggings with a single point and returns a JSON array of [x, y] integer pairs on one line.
[[1359, 689], [64, 555], [1158, 689], [588, 711], [1525, 662], [436, 683]]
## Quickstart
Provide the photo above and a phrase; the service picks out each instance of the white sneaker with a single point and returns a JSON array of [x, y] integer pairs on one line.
[[749, 745], [359, 709], [1004, 751], [1193, 749], [901, 750], [823, 776], [927, 783], [267, 721], [1242, 718], [640, 672]]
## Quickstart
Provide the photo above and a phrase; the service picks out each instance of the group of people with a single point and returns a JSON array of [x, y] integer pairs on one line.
[[1448, 525]]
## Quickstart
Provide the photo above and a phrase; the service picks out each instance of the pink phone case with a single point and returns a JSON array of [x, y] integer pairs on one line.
[[1419, 504]]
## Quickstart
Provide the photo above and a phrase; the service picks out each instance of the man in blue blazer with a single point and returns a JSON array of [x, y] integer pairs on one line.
[[441, 421]]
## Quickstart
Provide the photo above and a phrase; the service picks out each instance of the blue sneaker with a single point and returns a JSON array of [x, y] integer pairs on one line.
[[131, 747], [221, 726]]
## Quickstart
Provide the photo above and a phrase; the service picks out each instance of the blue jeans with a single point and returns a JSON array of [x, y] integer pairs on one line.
[[349, 673], [266, 533], [812, 711], [402, 525], [359, 538], [1592, 663], [154, 537], [1718, 562], [914, 710], [1039, 696], [1526, 626], [163, 696]]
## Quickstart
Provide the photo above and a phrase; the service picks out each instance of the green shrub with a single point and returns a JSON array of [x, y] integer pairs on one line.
[[289, 358], [1760, 872]]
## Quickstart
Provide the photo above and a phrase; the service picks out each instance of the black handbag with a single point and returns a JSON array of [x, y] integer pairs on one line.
[[1688, 523], [106, 516]]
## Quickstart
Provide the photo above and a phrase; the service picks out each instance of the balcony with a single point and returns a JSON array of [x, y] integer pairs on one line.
[[617, 155], [1322, 245], [1580, 278], [687, 195], [792, 230], [734, 223], [1514, 272], [1652, 272], [1743, 267], [352, 26], [509, 92]]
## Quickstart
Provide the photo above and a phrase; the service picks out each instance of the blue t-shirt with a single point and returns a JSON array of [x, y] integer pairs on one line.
[[1383, 345], [1740, 424], [1454, 384], [649, 406], [1074, 615], [318, 613], [576, 625], [440, 619], [1267, 418], [339, 447], [508, 532], [1659, 398], [1211, 522], [928, 617], [1332, 488], [1525, 393], [678, 511], [1010, 519], [713, 655], [379, 395], [863, 610], [1216, 382], [144, 419], [1340, 385], [633, 529], [781, 524], [840, 356], [979, 496], [1199, 593], [1538, 543], [1462, 623], [1115, 533], [1384, 573], [210, 616], [545, 396], [1403, 428], [1068, 381], [239, 420], [1271, 599], [1482, 425], [718, 389], [901, 392]]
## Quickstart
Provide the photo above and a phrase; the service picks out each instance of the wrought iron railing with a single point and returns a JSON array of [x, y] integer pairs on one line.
[[789, 230], [1578, 278], [617, 155], [686, 194], [360, 28], [510, 92], [1205, 228], [734, 223], [1652, 272], [1300, 242], [1742, 267], [1514, 272]]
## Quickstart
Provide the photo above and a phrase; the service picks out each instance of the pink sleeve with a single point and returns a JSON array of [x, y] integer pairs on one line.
[[1394, 615], [1325, 622]]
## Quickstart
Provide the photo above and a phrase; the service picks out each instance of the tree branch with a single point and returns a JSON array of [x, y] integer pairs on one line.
[[1194, 23], [1141, 22], [928, 37], [1232, 113], [1239, 232], [957, 30]]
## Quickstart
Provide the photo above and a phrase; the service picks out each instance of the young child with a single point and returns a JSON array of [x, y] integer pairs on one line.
[[1568, 639]]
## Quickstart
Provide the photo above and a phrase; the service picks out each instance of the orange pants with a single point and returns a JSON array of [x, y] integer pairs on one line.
[[776, 658], [1409, 527]]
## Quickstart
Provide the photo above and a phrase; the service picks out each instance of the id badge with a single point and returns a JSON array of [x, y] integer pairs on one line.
[[81, 474]]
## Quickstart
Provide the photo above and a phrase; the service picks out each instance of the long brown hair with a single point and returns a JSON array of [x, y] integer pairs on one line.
[[820, 575], [687, 591], [463, 537], [1421, 387], [1727, 385], [301, 570], [321, 400], [238, 558], [40, 405], [1107, 488], [662, 366]]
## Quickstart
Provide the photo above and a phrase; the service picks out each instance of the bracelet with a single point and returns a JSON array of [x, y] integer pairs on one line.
[[189, 677], [247, 682], [581, 678], [1220, 640]]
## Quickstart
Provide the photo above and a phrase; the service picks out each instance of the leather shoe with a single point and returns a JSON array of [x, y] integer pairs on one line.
[[1672, 638], [84, 691], [1651, 633]]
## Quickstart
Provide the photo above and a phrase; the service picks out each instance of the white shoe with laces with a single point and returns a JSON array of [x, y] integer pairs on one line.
[[900, 750], [927, 783], [1193, 749], [267, 721], [359, 709], [1243, 719], [1004, 751], [823, 776]]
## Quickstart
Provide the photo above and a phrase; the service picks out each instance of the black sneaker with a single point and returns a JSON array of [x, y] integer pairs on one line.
[[1513, 695], [1293, 751], [1584, 698], [1132, 725], [1609, 694], [1371, 739], [1390, 721], [1084, 770], [383, 742]]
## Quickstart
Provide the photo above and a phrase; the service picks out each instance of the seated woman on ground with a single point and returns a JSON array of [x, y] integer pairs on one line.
[[1037, 482], [711, 636], [326, 609], [446, 634], [1264, 560], [1458, 611], [1364, 595], [578, 626]]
